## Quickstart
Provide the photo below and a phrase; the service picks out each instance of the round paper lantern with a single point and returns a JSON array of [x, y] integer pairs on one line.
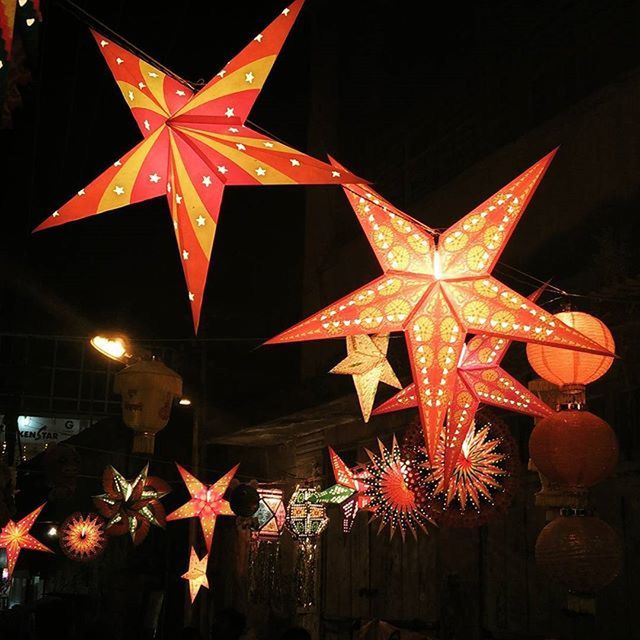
[[568, 368], [83, 538], [244, 500], [148, 388], [582, 552], [574, 448]]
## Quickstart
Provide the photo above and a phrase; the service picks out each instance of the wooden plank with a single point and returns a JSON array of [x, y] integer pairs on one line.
[[359, 547]]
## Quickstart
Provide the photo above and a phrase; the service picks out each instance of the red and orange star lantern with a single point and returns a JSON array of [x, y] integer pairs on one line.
[[436, 289], [207, 502], [479, 378], [195, 145], [197, 574], [83, 538], [15, 536], [348, 492]]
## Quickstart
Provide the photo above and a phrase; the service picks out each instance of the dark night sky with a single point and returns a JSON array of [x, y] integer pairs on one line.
[[122, 270]]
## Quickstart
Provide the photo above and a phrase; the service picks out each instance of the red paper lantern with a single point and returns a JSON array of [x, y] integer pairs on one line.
[[565, 367], [574, 448], [582, 552]]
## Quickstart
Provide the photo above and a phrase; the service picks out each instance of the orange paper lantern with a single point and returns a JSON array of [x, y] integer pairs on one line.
[[582, 552], [566, 367], [574, 448]]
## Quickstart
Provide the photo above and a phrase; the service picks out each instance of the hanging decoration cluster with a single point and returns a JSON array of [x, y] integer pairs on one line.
[[437, 289], [196, 144]]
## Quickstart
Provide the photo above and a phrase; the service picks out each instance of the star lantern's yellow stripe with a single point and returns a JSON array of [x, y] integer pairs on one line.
[[244, 160], [137, 99], [155, 84], [233, 83], [195, 206], [125, 178], [257, 143]]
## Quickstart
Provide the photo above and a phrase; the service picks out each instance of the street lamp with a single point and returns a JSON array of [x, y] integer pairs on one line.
[[146, 385]]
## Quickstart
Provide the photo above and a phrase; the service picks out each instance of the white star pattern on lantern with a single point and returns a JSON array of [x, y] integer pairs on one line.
[[258, 38], [241, 147], [222, 169], [185, 254], [30, 21], [248, 77], [268, 144], [229, 112], [220, 74], [180, 92], [117, 163], [118, 190], [206, 181], [141, 85], [233, 130], [131, 96], [285, 12], [175, 225], [153, 74], [191, 297], [119, 60], [201, 221], [294, 162], [168, 187], [81, 192], [55, 214], [103, 43], [155, 178], [178, 199], [335, 174], [261, 171], [147, 126]]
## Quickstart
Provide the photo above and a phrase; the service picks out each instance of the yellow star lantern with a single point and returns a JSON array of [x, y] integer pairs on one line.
[[197, 573], [15, 536], [367, 363]]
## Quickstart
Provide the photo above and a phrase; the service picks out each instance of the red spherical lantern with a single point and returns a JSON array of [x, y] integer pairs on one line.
[[582, 552], [573, 448], [568, 368]]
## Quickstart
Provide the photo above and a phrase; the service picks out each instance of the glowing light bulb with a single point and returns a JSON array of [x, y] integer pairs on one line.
[[112, 347]]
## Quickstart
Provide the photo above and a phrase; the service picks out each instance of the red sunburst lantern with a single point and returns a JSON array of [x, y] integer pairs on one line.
[[83, 538]]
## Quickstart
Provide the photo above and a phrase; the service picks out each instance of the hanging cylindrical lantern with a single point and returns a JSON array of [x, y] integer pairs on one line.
[[574, 448], [306, 520], [148, 388], [581, 552], [572, 370]]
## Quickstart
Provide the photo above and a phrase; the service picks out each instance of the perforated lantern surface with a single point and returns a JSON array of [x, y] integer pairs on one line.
[[565, 367], [306, 515], [271, 515]]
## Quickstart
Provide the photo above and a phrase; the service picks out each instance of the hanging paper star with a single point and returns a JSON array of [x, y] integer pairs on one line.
[[83, 537], [197, 573], [15, 536], [131, 505], [207, 502], [196, 144], [436, 289], [479, 378], [367, 362], [392, 481], [348, 492]]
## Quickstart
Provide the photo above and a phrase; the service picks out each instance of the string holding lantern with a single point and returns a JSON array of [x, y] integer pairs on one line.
[[581, 552], [82, 537], [267, 525], [306, 519]]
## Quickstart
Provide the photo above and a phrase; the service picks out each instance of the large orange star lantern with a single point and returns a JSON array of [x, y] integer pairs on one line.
[[437, 288], [15, 536], [479, 378], [196, 574], [196, 144], [207, 502]]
